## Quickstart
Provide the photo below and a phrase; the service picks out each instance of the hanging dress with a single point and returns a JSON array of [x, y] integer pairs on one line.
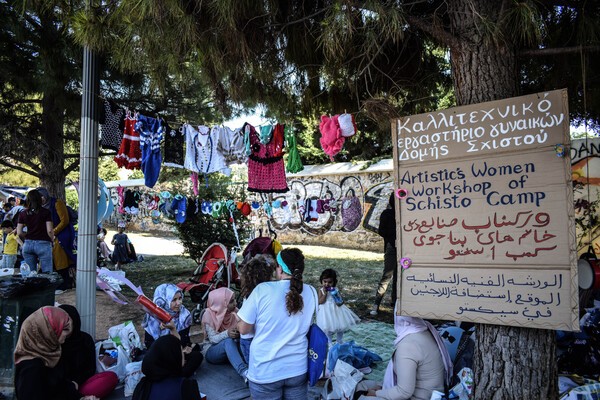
[[130, 155], [174, 142], [112, 124], [266, 170], [151, 132], [201, 151]]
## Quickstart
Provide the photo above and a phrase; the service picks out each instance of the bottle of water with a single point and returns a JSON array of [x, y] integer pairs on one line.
[[25, 270], [336, 296]]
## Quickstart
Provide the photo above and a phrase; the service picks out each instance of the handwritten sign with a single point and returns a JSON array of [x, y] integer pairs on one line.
[[488, 219]]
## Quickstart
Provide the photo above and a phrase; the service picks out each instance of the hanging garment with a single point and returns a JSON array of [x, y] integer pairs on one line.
[[112, 124], [231, 145], [151, 132], [174, 143], [266, 171], [331, 139], [201, 151], [131, 202], [130, 155], [294, 163]]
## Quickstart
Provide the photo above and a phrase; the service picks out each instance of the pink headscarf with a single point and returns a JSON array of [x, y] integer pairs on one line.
[[216, 314], [39, 336], [405, 326]]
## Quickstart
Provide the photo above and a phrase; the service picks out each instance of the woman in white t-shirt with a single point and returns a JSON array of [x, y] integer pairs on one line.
[[280, 313]]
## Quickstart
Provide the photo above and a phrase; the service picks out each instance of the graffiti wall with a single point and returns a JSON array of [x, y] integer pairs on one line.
[[585, 164], [335, 205]]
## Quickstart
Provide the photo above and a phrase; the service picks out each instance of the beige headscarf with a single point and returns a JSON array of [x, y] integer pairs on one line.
[[39, 336]]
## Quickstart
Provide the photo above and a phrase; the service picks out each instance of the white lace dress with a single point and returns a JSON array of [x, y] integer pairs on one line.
[[333, 318]]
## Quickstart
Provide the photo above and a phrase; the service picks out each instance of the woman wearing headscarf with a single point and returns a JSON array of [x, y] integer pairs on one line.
[[36, 355], [420, 363], [39, 234], [280, 313], [163, 375], [170, 298], [78, 360], [219, 324]]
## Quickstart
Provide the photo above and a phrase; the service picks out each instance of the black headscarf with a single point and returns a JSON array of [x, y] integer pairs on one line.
[[78, 358], [163, 360]]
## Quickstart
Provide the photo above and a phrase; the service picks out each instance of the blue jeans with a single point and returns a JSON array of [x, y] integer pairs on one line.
[[295, 388], [245, 348], [224, 351], [34, 250]]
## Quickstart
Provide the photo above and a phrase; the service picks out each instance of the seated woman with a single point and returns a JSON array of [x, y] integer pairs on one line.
[[37, 354], [219, 324], [420, 363], [163, 373], [78, 360], [170, 298]]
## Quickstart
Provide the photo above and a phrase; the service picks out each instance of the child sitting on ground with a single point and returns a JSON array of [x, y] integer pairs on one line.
[[257, 270], [333, 316], [11, 243]]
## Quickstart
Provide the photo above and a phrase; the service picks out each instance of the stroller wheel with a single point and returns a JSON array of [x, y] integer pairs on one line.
[[197, 315]]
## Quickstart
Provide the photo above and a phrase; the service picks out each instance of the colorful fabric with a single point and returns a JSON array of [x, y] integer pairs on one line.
[[151, 132], [331, 135], [129, 155], [39, 336], [266, 170]]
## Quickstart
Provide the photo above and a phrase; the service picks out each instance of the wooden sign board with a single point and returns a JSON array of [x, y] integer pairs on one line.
[[487, 221]]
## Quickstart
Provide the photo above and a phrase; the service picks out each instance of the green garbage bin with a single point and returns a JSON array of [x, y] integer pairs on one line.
[[19, 298]]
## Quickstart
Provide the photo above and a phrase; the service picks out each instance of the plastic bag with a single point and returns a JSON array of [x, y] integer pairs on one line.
[[133, 375], [125, 335], [357, 356], [343, 382], [110, 357]]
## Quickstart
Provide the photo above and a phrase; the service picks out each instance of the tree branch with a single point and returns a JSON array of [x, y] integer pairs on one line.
[[27, 171], [24, 101], [434, 29], [558, 50], [71, 168]]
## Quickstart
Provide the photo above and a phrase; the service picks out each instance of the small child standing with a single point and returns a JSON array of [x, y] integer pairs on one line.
[[257, 270], [11, 243], [121, 249], [333, 316]]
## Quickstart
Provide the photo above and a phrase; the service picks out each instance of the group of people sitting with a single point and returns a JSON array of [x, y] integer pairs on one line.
[[265, 341]]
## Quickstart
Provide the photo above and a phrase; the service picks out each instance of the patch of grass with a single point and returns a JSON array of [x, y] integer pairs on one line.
[[358, 276]]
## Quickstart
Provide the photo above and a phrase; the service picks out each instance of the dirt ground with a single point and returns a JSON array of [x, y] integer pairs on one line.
[[110, 313]]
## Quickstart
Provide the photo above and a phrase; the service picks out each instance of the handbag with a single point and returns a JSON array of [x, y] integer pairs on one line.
[[351, 213], [317, 348]]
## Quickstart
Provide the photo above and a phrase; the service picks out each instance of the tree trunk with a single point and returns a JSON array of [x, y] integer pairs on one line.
[[52, 171], [509, 362], [51, 153]]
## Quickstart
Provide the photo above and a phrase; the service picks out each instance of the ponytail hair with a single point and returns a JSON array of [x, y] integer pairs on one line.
[[294, 259]]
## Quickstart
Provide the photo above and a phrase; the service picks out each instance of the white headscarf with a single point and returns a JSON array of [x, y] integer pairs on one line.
[[405, 326], [163, 295]]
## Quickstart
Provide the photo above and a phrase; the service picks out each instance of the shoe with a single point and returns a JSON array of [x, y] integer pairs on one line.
[[374, 310], [58, 291]]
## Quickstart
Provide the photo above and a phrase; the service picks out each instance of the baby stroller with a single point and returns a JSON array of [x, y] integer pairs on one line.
[[216, 269]]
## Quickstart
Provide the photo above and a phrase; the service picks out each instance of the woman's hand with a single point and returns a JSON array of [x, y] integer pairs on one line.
[[171, 327], [233, 332], [187, 350], [372, 392]]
